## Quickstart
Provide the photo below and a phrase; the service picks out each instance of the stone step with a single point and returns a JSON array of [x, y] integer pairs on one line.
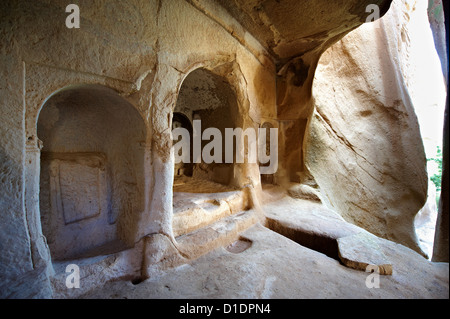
[[362, 251], [195, 211], [316, 227], [218, 234]]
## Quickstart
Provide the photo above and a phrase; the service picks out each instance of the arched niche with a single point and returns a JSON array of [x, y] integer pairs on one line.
[[91, 190], [208, 97]]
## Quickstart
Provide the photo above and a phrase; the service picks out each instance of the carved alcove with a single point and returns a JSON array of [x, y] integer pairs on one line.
[[209, 98], [92, 171]]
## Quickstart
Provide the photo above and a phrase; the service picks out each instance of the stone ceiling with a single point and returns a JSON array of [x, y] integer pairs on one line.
[[291, 28]]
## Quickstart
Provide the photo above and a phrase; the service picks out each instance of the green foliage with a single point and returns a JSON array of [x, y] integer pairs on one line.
[[437, 178]]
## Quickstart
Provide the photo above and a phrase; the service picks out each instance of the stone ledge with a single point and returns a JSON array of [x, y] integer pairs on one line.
[[361, 251]]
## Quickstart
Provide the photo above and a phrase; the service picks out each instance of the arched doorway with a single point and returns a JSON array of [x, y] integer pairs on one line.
[[206, 101], [92, 171]]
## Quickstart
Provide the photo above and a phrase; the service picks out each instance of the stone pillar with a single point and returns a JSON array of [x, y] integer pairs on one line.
[[39, 250]]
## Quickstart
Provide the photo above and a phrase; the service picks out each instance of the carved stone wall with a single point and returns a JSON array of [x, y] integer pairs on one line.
[[92, 170]]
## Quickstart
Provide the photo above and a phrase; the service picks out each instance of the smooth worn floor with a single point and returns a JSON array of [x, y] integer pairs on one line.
[[265, 264]]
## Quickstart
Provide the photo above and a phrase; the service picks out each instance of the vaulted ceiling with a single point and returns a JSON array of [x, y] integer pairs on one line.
[[290, 28]]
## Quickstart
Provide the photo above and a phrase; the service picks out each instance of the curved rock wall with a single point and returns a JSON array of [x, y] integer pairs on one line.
[[144, 50], [363, 143]]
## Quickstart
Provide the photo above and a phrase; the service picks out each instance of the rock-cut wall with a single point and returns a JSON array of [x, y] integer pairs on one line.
[[363, 144]]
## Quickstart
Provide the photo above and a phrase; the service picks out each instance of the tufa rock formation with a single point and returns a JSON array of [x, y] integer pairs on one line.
[[88, 170]]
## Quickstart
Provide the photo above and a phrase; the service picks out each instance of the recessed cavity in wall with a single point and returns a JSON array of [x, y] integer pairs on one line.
[[239, 246], [137, 281], [203, 192], [208, 98], [92, 171]]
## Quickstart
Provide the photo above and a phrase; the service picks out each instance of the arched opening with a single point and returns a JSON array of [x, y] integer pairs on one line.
[[204, 190], [92, 172], [205, 101]]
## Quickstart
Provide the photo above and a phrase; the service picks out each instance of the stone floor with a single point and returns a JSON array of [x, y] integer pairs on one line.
[[264, 264]]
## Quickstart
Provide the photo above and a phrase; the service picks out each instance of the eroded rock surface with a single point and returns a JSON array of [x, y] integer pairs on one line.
[[362, 251], [363, 145], [276, 267]]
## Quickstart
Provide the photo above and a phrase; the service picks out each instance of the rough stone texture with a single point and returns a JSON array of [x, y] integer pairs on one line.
[[312, 225], [362, 251], [284, 35], [98, 268], [204, 203], [436, 16], [208, 98], [308, 223], [304, 191], [276, 267], [90, 195], [14, 234], [140, 54], [425, 222], [33, 284], [134, 49], [363, 142]]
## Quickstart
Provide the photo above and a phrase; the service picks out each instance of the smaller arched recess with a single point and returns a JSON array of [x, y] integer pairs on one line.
[[207, 97], [92, 179]]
